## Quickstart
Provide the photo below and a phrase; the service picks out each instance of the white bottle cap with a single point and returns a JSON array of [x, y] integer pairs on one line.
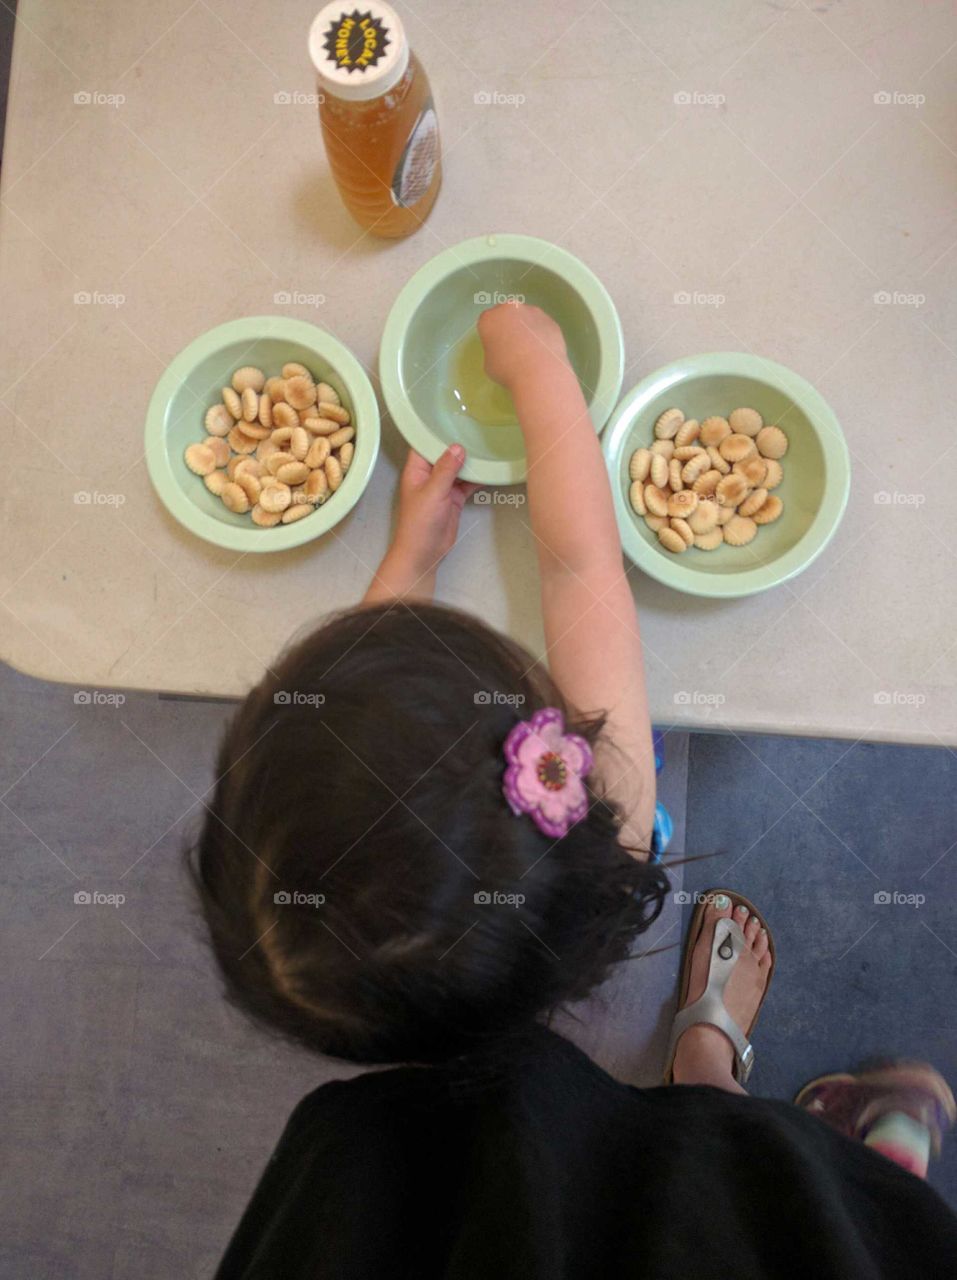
[[358, 53]]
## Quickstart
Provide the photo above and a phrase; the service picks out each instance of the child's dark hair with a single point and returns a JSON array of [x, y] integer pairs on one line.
[[357, 814]]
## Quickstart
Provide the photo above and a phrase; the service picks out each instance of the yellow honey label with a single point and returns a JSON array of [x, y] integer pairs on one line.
[[356, 41]]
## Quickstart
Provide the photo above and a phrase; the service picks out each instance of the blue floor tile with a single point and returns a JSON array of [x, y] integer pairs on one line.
[[850, 852]]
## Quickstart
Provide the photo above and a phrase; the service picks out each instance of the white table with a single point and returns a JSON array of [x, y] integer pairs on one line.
[[733, 150]]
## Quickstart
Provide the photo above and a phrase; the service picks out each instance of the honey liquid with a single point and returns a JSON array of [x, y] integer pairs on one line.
[[384, 154], [471, 392]]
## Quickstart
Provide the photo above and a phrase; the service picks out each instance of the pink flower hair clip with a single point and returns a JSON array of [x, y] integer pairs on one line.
[[545, 772]]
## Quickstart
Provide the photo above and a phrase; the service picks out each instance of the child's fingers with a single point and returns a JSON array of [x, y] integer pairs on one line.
[[460, 494], [445, 470], [416, 470]]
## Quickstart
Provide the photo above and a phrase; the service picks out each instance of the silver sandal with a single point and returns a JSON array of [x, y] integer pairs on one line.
[[727, 945]]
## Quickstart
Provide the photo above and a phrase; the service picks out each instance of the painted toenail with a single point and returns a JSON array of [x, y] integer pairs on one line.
[[763, 930], [721, 901], [742, 912]]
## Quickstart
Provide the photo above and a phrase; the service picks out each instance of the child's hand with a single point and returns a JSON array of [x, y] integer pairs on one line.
[[519, 339], [430, 503]]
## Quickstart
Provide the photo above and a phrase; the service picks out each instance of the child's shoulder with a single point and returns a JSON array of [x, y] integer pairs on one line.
[[360, 1100]]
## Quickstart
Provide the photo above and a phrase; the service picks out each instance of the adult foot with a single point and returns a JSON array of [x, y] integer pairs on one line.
[[704, 1055]]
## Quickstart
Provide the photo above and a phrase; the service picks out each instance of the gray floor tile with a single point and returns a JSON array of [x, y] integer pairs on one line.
[[145, 1257], [138, 1113], [56, 1258]]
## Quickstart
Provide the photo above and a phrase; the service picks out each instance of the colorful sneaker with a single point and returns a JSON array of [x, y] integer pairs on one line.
[[854, 1103]]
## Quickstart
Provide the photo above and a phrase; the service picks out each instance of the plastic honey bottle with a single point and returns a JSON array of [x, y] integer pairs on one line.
[[377, 117]]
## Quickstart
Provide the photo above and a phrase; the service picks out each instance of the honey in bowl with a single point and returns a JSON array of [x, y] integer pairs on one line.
[[470, 391]]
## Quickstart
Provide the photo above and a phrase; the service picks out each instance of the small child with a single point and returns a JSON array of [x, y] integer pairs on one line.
[[419, 868], [477, 826]]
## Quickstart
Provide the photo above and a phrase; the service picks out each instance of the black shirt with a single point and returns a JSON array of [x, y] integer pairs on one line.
[[550, 1170]]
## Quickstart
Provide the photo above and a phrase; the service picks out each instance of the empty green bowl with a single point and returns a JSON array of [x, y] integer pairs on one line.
[[439, 308], [193, 382], [814, 490]]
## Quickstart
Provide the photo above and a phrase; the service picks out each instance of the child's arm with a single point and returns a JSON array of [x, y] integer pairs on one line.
[[591, 626], [430, 503]]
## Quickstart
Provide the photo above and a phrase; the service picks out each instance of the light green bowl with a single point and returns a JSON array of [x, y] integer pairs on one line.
[[442, 303], [814, 490], [193, 382]]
